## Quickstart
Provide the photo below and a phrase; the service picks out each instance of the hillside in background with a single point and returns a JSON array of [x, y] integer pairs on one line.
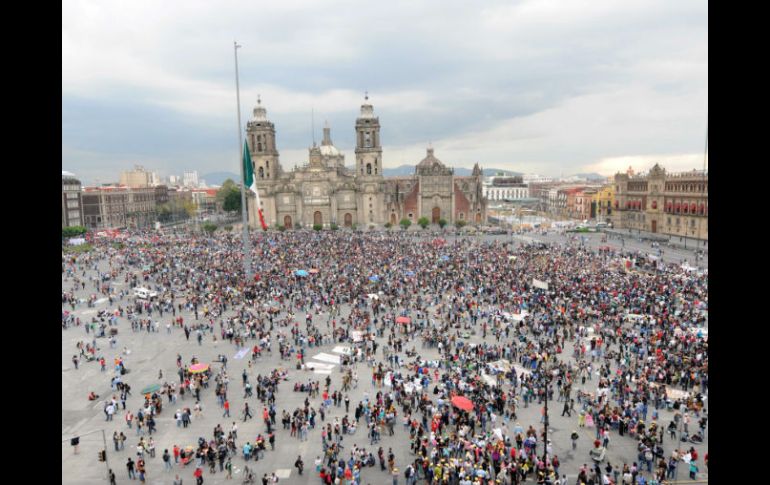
[[405, 170], [217, 178]]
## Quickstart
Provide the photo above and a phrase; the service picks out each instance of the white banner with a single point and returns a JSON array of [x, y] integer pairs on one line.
[[539, 284]]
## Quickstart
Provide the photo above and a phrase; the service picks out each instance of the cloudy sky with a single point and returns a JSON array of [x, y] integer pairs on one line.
[[537, 86]]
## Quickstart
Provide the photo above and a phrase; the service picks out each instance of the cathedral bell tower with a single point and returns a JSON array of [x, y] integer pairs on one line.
[[260, 134], [370, 182], [368, 148]]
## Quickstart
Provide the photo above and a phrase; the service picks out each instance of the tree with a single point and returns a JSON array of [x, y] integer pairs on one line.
[[232, 202], [423, 222], [209, 227], [388, 225], [460, 224], [405, 223], [227, 187], [333, 226], [73, 231], [317, 227], [441, 223], [190, 208]]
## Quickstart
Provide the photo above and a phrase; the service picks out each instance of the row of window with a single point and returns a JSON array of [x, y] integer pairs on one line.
[[685, 187]]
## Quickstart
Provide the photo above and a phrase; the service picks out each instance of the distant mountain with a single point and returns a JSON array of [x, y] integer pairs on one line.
[[217, 178], [405, 170], [590, 176]]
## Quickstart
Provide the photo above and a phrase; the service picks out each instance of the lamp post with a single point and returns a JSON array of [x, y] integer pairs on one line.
[[547, 380]]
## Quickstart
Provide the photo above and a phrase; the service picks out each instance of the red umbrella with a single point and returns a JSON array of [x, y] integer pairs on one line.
[[403, 320], [462, 402]]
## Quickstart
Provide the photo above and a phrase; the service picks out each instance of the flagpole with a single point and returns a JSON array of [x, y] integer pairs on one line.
[[244, 218]]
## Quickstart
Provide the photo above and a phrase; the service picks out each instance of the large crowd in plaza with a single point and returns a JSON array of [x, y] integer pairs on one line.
[[451, 339]]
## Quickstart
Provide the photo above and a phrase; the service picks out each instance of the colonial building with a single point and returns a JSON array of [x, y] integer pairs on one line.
[[324, 191], [658, 202], [604, 200]]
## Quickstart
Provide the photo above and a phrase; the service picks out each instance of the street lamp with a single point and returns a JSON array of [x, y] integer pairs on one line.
[[547, 380]]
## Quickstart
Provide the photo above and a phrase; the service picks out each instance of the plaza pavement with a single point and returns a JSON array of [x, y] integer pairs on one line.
[[157, 351]]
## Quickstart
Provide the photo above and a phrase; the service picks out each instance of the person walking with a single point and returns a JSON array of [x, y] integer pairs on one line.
[[167, 460], [111, 476], [246, 412], [299, 464], [227, 409]]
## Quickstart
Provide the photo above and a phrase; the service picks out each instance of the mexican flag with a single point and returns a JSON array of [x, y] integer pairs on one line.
[[250, 182]]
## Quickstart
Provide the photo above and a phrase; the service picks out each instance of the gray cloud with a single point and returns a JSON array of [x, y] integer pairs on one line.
[[538, 86]]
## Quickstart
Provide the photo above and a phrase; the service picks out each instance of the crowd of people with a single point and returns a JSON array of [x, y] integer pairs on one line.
[[458, 336]]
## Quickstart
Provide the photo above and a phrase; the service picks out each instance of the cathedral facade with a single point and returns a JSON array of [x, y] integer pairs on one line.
[[325, 192]]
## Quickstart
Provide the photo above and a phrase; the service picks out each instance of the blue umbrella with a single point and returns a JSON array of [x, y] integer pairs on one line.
[[301, 272], [409, 273], [445, 258], [374, 278]]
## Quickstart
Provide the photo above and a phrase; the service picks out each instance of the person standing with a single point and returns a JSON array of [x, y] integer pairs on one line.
[[166, 460], [75, 361], [130, 467], [227, 409]]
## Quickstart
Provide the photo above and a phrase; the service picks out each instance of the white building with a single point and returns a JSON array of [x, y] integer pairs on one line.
[[505, 188], [190, 179]]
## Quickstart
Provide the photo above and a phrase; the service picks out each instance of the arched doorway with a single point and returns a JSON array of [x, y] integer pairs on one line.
[[348, 220], [318, 218], [478, 218], [287, 222], [393, 219], [436, 213]]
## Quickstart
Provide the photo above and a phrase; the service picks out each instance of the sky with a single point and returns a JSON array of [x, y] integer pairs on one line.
[[535, 86]]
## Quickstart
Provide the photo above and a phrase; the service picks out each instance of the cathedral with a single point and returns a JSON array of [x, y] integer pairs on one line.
[[324, 191]]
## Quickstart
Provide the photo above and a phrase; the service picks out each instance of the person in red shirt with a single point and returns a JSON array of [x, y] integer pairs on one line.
[[227, 409], [176, 454]]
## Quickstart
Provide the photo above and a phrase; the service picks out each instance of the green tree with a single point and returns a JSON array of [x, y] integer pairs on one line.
[[460, 224], [388, 225], [441, 223], [333, 226], [189, 207], [209, 227], [317, 227], [227, 187], [405, 223], [423, 222], [232, 202], [73, 231]]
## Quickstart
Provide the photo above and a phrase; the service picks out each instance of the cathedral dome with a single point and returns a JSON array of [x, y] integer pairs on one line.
[[329, 150]]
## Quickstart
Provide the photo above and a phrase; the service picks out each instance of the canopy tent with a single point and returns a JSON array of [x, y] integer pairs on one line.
[[403, 320], [462, 402], [301, 272], [150, 389], [198, 368]]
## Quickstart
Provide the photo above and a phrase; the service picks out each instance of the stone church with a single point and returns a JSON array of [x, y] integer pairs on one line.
[[326, 192]]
